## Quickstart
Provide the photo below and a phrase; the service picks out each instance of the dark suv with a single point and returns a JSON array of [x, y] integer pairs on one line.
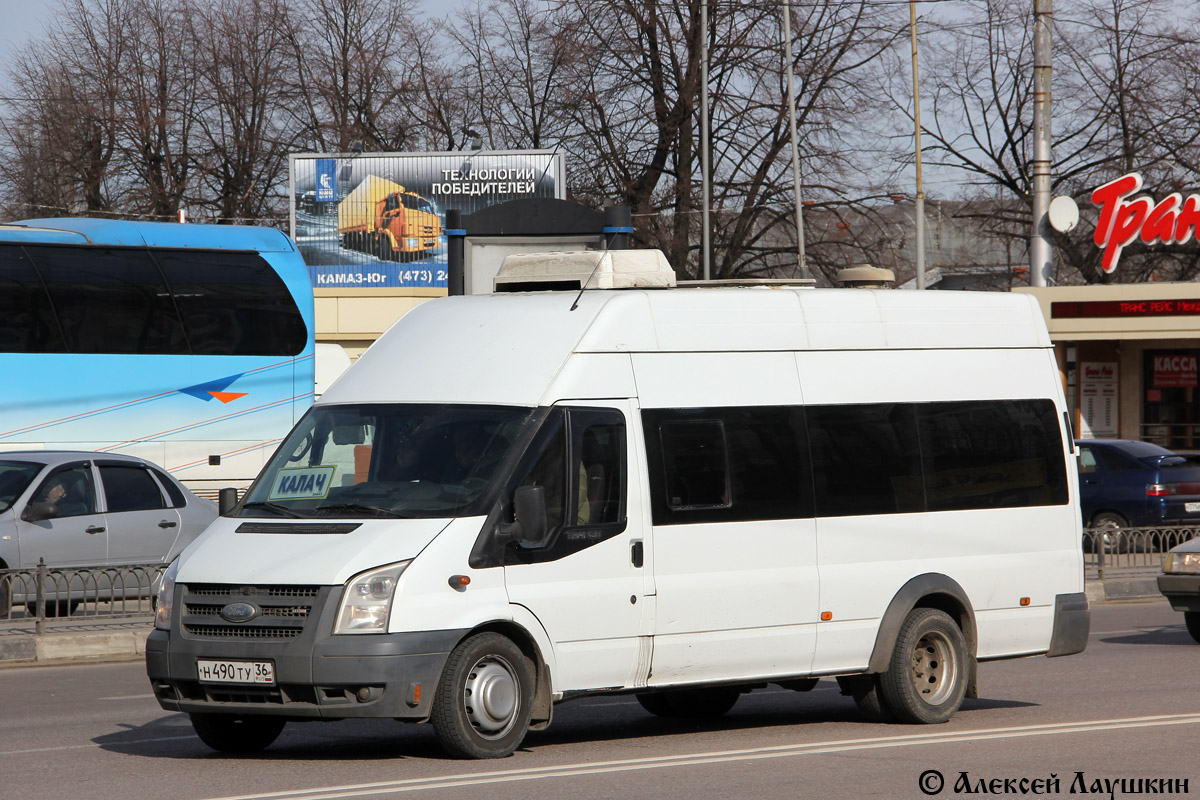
[[1126, 483]]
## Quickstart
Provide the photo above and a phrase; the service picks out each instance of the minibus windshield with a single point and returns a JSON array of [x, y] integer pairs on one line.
[[388, 460]]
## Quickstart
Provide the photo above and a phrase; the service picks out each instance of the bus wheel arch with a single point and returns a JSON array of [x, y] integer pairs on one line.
[[934, 591], [543, 703]]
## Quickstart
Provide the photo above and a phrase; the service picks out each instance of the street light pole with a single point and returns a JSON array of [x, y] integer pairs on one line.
[[1041, 254], [920, 202], [705, 178], [801, 262]]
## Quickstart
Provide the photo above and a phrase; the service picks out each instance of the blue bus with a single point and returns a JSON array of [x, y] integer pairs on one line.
[[188, 345]]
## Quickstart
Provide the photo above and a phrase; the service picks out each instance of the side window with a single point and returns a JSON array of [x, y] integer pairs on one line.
[[598, 456], [1113, 461], [1087, 460], [991, 454], [27, 321], [130, 488], [233, 304], [727, 464], [695, 464], [866, 459], [110, 300], [579, 456], [69, 490], [177, 497]]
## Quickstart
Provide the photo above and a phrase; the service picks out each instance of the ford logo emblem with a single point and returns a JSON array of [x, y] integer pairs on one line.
[[239, 612]]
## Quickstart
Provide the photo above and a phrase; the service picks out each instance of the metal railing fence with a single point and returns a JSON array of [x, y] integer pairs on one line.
[[1106, 549], [82, 594]]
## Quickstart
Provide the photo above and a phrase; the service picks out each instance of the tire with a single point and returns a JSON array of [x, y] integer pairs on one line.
[[926, 678], [1192, 620], [867, 696], [383, 248], [54, 608], [691, 703], [484, 700], [228, 733], [1111, 539]]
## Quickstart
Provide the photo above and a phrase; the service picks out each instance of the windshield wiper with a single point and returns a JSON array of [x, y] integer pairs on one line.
[[280, 510], [362, 507]]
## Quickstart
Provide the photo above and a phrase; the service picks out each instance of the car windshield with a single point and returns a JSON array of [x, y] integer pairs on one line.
[[15, 476], [388, 461]]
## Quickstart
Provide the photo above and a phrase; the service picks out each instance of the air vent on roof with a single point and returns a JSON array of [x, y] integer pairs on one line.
[[599, 269]]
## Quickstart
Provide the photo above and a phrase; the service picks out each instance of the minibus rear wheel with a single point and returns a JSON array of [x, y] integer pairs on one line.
[[484, 701], [228, 733], [926, 679]]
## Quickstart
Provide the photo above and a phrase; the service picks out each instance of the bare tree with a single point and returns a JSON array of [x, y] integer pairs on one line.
[[245, 62]]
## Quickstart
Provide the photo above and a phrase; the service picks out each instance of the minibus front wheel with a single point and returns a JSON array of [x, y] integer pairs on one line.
[[484, 700], [926, 679]]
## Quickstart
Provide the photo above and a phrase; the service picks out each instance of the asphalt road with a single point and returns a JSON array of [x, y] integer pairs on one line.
[[1125, 709]]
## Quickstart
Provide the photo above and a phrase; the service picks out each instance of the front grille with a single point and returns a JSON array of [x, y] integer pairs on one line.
[[241, 632], [283, 610]]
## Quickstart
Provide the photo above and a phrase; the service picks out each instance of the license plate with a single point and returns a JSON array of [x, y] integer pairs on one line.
[[1191, 508], [235, 671]]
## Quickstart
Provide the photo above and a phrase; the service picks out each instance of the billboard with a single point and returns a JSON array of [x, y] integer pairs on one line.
[[378, 220]]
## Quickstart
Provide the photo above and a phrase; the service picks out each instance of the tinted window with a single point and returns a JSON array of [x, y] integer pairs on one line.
[[27, 321], [69, 490], [727, 464], [110, 300], [177, 498], [14, 477], [233, 303], [1115, 461], [130, 489], [866, 459], [1000, 454]]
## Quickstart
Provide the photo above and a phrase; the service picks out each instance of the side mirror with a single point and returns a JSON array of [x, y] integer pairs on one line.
[[530, 528], [227, 498], [36, 512]]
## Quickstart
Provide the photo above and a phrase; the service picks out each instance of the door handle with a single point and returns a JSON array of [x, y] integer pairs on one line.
[[166, 523], [94, 529], [637, 553]]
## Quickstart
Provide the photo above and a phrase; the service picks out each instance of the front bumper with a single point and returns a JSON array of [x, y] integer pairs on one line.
[[1183, 591], [317, 675]]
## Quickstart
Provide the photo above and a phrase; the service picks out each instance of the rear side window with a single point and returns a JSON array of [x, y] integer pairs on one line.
[[986, 454], [727, 464], [130, 489], [866, 459], [233, 304], [176, 494]]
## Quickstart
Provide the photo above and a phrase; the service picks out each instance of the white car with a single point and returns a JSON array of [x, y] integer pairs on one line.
[[79, 509]]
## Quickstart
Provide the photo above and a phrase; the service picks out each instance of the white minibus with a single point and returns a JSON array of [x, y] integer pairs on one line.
[[683, 494]]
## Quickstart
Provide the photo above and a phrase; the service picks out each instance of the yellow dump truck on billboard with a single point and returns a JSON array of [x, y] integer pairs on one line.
[[380, 217]]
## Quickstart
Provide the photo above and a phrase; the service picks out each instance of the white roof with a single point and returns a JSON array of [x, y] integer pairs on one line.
[[508, 348]]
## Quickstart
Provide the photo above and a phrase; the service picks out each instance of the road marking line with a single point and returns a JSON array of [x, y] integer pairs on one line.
[[713, 757]]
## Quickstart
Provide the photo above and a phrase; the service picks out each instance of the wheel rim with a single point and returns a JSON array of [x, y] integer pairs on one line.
[[934, 668], [492, 696]]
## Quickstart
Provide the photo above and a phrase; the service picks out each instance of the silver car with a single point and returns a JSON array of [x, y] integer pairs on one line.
[[79, 509]]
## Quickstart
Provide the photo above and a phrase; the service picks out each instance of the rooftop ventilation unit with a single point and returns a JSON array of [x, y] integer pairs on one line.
[[592, 269]]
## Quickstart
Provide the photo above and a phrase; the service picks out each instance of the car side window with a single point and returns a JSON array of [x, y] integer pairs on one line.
[[177, 498], [1114, 461], [130, 489], [1087, 460], [69, 490]]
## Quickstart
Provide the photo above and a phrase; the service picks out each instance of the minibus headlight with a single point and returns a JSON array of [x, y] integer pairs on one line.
[[367, 600], [1182, 562], [166, 597]]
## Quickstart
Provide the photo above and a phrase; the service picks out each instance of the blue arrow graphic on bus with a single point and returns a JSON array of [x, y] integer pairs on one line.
[[215, 389]]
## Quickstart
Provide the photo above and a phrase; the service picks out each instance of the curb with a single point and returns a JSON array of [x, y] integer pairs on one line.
[[66, 648]]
